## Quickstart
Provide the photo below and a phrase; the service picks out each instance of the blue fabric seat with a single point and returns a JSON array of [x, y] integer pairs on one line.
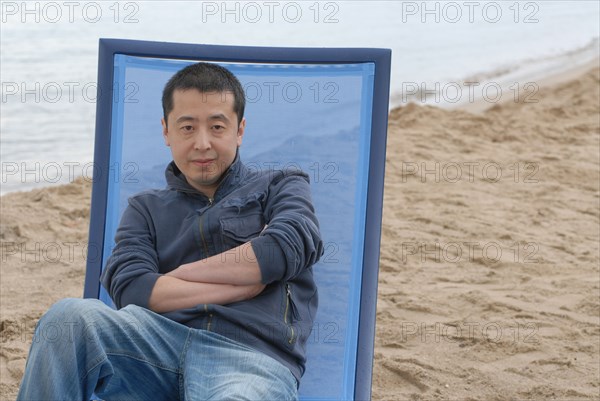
[[318, 109]]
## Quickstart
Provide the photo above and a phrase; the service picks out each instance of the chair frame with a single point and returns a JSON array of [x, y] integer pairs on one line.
[[382, 60]]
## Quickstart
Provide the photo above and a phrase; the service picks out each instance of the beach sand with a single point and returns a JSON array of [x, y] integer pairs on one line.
[[489, 285]]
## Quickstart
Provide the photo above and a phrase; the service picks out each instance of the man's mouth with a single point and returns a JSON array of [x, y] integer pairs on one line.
[[202, 162]]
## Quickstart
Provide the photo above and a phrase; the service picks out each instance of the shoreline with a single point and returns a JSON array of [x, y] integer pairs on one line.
[[542, 73], [519, 81], [541, 80]]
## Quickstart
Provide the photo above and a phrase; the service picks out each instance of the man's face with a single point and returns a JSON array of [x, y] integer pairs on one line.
[[203, 134]]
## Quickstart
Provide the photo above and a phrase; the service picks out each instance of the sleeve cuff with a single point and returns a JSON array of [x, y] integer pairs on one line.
[[271, 259], [138, 291]]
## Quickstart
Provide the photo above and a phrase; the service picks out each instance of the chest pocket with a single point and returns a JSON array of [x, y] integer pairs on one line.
[[242, 219]]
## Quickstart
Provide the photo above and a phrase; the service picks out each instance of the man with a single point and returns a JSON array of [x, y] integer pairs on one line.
[[212, 276]]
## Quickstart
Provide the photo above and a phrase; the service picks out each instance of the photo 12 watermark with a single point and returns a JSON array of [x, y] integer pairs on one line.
[[239, 254], [291, 91], [37, 254], [55, 172], [495, 332], [453, 172], [490, 252], [54, 12], [468, 92], [252, 12], [66, 91], [319, 172], [452, 12]]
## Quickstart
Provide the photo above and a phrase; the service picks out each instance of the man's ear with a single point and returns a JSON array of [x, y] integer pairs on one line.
[[240, 132], [165, 131]]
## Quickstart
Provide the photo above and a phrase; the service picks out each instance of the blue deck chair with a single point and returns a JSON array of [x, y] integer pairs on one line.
[[323, 110]]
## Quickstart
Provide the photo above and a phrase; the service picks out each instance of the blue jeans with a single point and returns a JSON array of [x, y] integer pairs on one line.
[[82, 346]]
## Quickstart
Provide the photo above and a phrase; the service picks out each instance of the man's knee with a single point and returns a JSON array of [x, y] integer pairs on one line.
[[74, 308], [68, 318]]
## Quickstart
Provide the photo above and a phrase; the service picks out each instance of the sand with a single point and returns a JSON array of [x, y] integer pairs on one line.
[[489, 285]]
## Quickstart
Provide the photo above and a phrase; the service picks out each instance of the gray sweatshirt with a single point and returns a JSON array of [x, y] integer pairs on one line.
[[163, 229]]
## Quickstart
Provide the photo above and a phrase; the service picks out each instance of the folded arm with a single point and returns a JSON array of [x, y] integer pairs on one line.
[[289, 244], [238, 267], [132, 275], [171, 293]]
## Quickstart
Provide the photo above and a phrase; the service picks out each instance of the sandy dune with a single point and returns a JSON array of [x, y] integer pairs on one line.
[[489, 284]]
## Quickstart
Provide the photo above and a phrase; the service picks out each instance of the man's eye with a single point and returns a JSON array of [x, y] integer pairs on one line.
[[218, 127], [187, 128]]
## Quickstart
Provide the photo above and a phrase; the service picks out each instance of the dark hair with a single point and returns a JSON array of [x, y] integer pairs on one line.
[[205, 77]]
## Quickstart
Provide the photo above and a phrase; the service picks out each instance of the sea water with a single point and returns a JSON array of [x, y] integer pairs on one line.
[[48, 60]]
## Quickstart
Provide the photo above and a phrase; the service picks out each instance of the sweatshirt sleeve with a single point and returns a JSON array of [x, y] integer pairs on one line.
[[132, 269], [292, 241]]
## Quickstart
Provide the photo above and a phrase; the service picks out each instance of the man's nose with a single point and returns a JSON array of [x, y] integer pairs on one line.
[[202, 141]]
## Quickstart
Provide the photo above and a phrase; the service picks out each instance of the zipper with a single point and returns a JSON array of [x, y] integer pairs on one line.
[[210, 317], [200, 223], [288, 307]]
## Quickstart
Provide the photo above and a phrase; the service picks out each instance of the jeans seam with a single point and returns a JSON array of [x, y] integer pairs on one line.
[[155, 364], [180, 369], [100, 362]]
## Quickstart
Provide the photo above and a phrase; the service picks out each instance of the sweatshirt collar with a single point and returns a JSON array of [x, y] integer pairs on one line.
[[231, 177]]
